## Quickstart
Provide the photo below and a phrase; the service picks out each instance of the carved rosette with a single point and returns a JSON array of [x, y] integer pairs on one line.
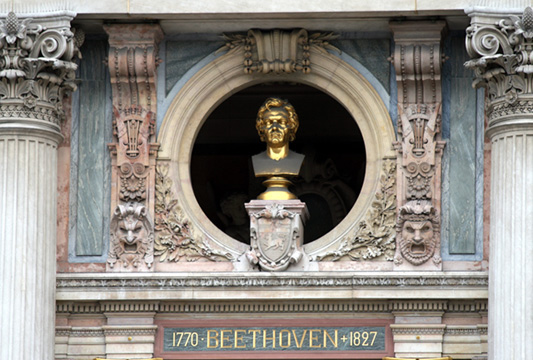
[[132, 65], [276, 233], [277, 51], [501, 48], [417, 61], [37, 70]]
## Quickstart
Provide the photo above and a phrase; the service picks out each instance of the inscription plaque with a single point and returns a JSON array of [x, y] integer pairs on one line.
[[350, 338], [274, 339]]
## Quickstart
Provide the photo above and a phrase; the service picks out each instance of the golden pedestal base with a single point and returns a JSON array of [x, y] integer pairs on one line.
[[277, 189]]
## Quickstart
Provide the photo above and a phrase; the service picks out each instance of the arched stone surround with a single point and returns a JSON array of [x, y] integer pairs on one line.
[[223, 77]]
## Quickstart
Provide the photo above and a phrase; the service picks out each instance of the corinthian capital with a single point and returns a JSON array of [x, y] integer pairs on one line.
[[501, 48], [36, 68]]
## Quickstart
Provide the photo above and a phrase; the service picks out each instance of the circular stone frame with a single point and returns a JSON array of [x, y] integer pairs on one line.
[[223, 77]]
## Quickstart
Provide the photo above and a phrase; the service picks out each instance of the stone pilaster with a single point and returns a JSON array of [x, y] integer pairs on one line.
[[132, 66], [417, 60], [501, 48], [36, 71]]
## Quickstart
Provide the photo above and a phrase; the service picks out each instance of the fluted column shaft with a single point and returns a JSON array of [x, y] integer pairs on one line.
[[501, 47], [28, 172], [36, 72], [511, 245]]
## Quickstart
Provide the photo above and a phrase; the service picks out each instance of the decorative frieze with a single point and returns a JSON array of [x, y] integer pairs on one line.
[[132, 65], [227, 307], [384, 281], [278, 51], [417, 61], [374, 237], [174, 236]]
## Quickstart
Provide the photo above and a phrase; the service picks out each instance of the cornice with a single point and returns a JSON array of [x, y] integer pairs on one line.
[[225, 286]]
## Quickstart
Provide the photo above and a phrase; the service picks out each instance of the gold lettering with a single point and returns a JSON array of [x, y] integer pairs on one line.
[[209, 337], [299, 344], [313, 338], [327, 335], [239, 338], [254, 333], [223, 337], [281, 338], [375, 333], [273, 338]]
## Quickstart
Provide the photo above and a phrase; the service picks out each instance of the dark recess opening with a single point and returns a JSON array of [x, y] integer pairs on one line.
[[331, 176]]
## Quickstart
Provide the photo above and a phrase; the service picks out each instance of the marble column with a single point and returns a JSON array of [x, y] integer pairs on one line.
[[500, 46], [36, 71]]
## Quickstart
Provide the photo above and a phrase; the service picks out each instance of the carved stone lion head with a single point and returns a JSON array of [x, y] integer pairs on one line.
[[131, 236]]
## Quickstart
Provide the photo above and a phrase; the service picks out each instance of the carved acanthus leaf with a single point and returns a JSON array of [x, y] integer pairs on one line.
[[278, 51], [502, 56], [36, 67], [375, 235], [175, 238]]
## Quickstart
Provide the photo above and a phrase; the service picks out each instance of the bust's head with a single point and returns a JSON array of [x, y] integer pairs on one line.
[[276, 122]]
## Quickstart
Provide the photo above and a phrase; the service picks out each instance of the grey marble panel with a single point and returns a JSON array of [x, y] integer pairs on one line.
[[372, 54], [462, 152], [90, 158], [181, 55], [461, 208]]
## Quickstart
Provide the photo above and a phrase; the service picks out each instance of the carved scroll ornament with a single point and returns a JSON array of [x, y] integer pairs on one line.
[[37, 67], [501, 49], [278, 51], [175, 239]]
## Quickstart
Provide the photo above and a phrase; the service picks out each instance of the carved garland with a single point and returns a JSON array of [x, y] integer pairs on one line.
[[375, 235], [175, 239]]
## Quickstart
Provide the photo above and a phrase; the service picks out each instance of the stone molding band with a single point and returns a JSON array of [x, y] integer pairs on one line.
[[294, 280]]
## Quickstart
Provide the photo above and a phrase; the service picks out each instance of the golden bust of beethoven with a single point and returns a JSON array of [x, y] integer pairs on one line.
[[277, 123]]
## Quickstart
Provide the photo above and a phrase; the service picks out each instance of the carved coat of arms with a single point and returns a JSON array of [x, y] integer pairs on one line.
[[276, 234]]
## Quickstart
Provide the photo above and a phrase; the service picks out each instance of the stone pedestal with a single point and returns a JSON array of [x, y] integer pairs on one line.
[[276, 232], [501, 48], [33, 81]]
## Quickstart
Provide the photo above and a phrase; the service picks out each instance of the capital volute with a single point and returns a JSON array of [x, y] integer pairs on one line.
[[37, 68]]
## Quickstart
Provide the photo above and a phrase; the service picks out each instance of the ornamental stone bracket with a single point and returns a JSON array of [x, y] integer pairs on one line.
[[37, 70], [132, 66], [277, 51], [417, 60]]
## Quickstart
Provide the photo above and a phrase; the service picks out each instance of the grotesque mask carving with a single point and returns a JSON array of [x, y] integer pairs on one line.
[[418, 228], [131, 236]]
